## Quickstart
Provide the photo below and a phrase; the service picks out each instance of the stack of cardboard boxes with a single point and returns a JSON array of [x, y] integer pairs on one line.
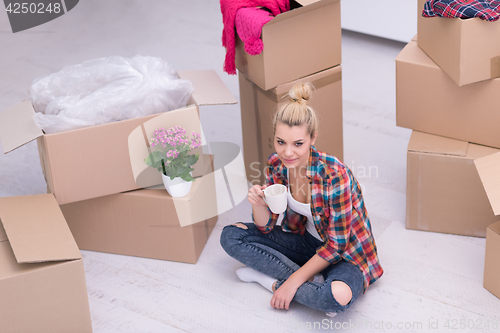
[[301, 45], [97, 180], [446, 91]]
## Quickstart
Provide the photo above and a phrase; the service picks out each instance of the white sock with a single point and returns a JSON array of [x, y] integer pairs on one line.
[[248, 274]]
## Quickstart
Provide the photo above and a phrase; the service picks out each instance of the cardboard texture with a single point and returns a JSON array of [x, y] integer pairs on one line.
[[428, 100], [148, 222], [42, 278], [258, 106], [443, 185], [310, 32], [94, 161], [468, 50], [492, 260]]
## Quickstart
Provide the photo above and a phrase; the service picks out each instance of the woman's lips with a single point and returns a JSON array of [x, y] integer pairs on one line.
[[290, 161]]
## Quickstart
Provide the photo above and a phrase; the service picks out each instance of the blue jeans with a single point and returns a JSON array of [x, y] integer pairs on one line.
[[278, 254]]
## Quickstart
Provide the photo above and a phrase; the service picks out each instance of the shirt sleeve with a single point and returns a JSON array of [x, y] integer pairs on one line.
[[340, 217], [273, 218]]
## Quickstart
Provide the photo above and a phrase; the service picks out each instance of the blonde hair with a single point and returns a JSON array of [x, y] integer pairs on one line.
[[296, 112]]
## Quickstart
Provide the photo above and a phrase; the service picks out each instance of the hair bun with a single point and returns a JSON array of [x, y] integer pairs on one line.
[[300, 92]]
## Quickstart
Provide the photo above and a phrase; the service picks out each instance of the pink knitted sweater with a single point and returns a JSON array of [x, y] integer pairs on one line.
[[228, 9]]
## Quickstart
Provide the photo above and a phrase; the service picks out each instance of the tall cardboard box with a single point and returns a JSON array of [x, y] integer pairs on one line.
[[258, 106], [42, 279], [468, 50], [148, 222], [488, 167], [428, 100], [94, 161], [443, 191], [297, 43]]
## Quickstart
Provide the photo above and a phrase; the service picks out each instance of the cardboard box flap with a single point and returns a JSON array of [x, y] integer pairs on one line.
[[208, 87], [17, 126], [414, 55], [36, 229], [3, 236], [495, 227], [427, 143], [307, 6], [488, 168]]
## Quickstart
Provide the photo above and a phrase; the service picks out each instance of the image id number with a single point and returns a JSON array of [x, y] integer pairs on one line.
[[33, 8]]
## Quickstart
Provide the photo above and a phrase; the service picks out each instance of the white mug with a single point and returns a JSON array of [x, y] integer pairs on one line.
[[276, 198]]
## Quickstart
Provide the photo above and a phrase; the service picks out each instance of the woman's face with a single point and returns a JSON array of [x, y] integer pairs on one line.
[[293, 145]]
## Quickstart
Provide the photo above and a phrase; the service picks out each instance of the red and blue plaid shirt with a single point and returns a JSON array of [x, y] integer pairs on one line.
[[488, 10], [338, 212]]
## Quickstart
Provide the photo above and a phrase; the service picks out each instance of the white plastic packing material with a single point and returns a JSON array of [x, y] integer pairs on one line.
[[104, 90]]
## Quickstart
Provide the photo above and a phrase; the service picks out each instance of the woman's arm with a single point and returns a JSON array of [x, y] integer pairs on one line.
[[285, 293]]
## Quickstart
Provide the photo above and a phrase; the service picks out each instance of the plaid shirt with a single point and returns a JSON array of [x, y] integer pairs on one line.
[[338, 211], [488, 10]]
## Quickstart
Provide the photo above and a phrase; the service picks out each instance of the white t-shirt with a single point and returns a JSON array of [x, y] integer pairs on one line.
[[302, 209]]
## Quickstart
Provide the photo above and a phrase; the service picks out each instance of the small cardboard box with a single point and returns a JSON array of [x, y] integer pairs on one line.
[[443, 191], [488, 167], [428, 100], [94, 161], [468, 50], [42, 279], [297, 43], [148, 222], [258, 106]]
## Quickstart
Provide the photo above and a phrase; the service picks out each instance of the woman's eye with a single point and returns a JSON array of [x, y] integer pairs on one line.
[[298, 144], [280, 142]]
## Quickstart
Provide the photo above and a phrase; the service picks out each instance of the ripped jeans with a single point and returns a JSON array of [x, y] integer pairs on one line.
[[278, 254]]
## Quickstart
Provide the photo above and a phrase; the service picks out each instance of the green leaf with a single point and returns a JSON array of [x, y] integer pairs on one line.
[[187, 177], [154, 159], [192, 159]]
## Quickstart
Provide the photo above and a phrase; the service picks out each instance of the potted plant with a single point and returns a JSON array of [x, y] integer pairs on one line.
[[172, 158]]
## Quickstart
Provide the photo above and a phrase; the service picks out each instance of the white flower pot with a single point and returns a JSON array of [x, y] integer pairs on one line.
[[177, 187]]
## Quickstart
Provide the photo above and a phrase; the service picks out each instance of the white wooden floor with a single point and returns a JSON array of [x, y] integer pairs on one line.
[[430, 279]]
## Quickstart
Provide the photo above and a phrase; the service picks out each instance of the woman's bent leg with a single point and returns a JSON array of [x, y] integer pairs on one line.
[[321, 296], [277, 254]]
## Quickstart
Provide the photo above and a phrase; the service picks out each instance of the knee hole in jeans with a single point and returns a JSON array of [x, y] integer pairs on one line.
[[341, 292], [241, 225]]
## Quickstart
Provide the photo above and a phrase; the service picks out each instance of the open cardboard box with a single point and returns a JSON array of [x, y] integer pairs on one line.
[[42, 278], [488, 167], [258, 107], [297, 43], [148, 222], [94, 161], [468, 50], [443, 191], [428, 100]]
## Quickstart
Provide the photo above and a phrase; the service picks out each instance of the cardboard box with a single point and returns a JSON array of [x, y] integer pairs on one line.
[[492, 260], [468, 50], [92, 162], [443, 190], [297, 43], [428, 100], [488, 167], [42, 279], [148, 222], [258, 106]]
